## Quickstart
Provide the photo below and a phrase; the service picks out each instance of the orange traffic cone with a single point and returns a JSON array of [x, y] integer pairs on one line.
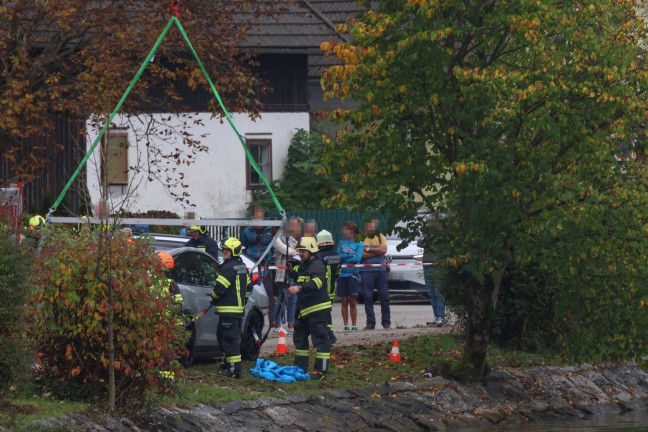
[[395, 353], [282, 348]]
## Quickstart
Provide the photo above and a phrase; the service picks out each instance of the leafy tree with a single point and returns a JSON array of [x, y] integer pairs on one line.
[[98, 319], [504, 116], [306, 182], [77, 57], [15, 268]]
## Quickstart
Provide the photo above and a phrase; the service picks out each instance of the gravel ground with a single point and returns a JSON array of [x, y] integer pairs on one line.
[[407, 320]]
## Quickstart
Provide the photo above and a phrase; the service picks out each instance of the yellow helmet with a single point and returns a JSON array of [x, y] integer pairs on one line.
[[36, 221], [308, 243], [198, 228], [234, 245]]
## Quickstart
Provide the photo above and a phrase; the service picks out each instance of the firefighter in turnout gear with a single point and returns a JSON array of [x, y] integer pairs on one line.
[[228, 297], [329, 256], [313, 309]]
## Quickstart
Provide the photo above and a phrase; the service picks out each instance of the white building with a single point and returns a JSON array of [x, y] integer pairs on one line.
[[195, 163], [188, 162]]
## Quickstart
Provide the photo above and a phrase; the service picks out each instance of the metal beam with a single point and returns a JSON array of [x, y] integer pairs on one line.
[[167, 222]]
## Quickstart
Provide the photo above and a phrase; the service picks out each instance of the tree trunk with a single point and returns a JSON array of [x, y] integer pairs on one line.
[[474, 366], [111, 352]]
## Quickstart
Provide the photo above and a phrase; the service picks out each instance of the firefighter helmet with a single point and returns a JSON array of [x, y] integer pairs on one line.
[[308, 243], [36, 221], [200, 229], [234, 245], [324, 237], [166, 260]]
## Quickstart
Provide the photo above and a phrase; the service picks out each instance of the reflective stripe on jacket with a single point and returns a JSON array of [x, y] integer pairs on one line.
[[313, 296], [331, 259], [230, 287]]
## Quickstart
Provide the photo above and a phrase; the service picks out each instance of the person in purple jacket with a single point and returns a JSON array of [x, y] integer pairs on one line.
[[348, 283]]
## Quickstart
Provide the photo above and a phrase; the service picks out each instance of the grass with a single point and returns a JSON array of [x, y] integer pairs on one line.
[[352, 367], [19, 413]]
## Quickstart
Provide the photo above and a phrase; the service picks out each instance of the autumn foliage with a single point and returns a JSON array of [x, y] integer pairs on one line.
[[69, 313], [505, 117], [76, 57]]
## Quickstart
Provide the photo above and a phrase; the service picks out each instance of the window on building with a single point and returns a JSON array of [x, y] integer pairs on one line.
[[115, 158], [261, 150]]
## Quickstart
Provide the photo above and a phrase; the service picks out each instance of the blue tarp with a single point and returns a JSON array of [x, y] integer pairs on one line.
[[267, 369]]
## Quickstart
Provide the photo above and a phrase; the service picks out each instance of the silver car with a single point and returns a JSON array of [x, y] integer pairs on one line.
[[194, 272]]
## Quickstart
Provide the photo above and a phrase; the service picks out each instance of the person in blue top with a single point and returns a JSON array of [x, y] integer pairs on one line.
[[256, 240], [348, 283]]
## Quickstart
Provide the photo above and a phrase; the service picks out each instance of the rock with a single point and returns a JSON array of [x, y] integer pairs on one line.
[[437, 404]]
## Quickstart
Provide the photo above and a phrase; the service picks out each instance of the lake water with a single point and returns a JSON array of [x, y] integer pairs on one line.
[[633, 421]]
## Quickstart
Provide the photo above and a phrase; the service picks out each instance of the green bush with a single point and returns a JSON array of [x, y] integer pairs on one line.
[[69, 317], [15, 271]]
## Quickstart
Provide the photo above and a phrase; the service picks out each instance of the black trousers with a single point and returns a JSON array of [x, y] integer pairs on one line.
[[314, 325], [228, 334]]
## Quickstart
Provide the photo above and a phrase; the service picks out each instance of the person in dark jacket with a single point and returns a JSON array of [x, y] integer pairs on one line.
[[228, 297], [313, 309], [201, 240], [329, 256]]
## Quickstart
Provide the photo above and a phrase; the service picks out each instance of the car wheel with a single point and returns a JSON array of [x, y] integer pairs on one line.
[[252, 327]]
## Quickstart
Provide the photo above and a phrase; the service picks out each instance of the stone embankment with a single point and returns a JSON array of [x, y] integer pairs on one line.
[[436, 404]]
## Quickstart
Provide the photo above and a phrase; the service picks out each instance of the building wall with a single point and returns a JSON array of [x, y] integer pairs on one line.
[[214, 179]]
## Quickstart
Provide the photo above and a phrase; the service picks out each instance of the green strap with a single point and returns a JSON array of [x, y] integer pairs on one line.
[[112, 115], [130, 88], [229, 118]]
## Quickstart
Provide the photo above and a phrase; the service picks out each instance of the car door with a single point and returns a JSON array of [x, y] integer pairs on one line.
[[194, 272]]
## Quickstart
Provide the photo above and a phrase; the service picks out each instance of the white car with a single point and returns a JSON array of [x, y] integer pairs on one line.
[[406, 273]]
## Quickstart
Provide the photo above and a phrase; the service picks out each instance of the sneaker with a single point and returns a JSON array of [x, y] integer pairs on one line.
[[317, 375], [370, 327], [346, 329], [278, 330], [439, 321], [431, 323], [386, 326], [354, 329], [290, 330]]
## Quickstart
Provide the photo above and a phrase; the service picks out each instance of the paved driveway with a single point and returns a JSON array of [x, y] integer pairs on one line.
[[407, 320]]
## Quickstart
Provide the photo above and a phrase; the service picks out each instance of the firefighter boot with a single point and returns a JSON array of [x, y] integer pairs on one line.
[[233, 371]]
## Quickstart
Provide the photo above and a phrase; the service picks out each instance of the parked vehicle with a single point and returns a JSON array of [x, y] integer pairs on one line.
[[194, 272], [406, 273]]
